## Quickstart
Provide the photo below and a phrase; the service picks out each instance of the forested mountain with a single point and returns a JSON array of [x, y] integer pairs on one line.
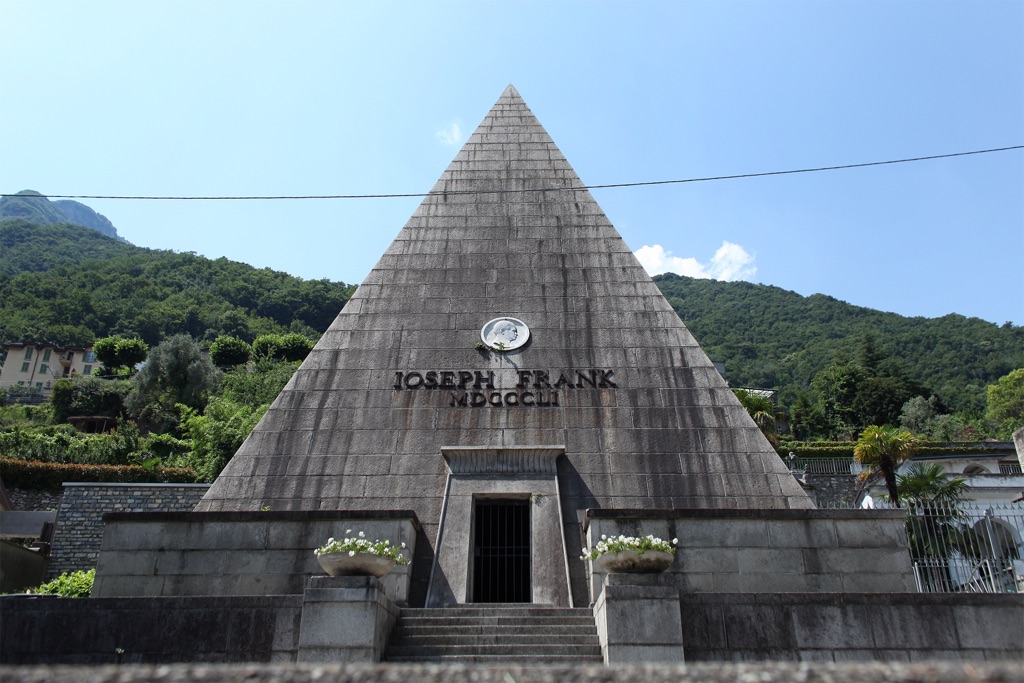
[[34, 207], [71, 285], [772, 338]]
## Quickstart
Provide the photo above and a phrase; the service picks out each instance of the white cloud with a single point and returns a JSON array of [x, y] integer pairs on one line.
[[730, 262], [452, 135]]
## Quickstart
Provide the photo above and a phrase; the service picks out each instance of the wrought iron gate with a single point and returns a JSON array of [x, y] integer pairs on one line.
[[501, 551]]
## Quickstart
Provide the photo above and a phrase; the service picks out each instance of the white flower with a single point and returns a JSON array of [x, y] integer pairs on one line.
[[403, 544], [361, 534], [351, 553], [675, 541]]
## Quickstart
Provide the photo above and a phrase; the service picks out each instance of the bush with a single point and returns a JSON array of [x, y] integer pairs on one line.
[[62, 444], [48, 476], [228, 352], [88, 396], [68, 585], [286, 347]]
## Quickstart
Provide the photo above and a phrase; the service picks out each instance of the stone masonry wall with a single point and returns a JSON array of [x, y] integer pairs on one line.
[[31, 500], [76, 542], [833, 490]]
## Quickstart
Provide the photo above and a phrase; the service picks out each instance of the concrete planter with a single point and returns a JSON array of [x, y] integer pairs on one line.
[[360, 564], [632, 562]]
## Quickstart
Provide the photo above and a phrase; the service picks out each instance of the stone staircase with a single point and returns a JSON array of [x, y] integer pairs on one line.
[[518, 633]]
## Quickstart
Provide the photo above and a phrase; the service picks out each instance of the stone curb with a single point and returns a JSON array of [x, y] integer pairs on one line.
[[763, 672]]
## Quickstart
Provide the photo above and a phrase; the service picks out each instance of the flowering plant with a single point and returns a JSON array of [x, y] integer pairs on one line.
[[360, 544], [640, 544]]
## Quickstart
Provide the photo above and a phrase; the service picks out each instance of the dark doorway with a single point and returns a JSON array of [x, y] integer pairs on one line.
[[501, 551]]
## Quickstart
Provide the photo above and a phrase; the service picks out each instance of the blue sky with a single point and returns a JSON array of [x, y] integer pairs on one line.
[[285, 98]]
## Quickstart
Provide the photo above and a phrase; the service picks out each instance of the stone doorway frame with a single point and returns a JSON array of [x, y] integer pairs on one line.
[[513, 472]]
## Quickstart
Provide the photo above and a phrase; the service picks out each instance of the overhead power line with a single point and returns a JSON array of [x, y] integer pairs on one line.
[[542, 189]]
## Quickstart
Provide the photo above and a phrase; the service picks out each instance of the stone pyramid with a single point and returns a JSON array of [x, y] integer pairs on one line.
[[415, 363]]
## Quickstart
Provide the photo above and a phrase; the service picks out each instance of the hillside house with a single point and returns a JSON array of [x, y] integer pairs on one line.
[[36, 365]]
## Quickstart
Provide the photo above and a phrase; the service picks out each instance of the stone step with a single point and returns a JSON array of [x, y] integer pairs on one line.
[[521, 638], [512, 652], [521, 634], [534, 660], [452, 622], [475, 610], [494, 629]]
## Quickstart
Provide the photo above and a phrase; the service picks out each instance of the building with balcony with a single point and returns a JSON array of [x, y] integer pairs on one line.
[[35, 366]]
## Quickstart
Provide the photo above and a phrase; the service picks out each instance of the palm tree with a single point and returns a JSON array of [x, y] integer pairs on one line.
[[762, 409], [937, 528], [926, 483], [884, 448]]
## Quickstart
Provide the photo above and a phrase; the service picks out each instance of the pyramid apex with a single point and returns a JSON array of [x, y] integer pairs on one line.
[[510, 91]]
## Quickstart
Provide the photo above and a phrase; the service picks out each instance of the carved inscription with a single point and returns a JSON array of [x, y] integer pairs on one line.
[[477, 389]]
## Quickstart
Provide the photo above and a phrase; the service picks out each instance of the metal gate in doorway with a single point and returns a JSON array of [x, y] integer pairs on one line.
[[501, 551]]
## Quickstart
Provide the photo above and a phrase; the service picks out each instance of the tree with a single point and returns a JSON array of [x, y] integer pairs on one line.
[[1005, 409], [177, 373], [119, 352], [916, 415], [884, 448], [217, 434], [288, 347], [926, 483], [229, 351], [762, 409]]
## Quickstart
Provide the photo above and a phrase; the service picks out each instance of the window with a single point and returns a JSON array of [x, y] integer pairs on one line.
[[44, 368], [28, 353], [39, 385], [25, 366], [87, 370], [89, 358], [46, 355]]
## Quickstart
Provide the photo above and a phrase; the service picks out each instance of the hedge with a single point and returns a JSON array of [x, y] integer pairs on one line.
[[844, 449], [48, 476]]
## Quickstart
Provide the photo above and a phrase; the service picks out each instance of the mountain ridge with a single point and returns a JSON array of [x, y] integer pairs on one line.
[[39, 209]]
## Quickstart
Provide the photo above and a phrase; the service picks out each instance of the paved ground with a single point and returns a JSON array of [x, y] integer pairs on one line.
[[765, 672]]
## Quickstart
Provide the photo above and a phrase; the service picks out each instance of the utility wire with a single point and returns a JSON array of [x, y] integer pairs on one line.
[[543, 189]]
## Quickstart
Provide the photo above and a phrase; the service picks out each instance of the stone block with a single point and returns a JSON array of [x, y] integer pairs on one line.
[[805, 533], [995, 626], [823, 626], [724, 533], [770, 561], [871, 533]]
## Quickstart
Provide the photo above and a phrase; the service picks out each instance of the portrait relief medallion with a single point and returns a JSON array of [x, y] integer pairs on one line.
[[505, 334]]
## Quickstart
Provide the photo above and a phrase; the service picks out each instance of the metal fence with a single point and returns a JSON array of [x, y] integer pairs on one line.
[[967, 548], [825, 465]]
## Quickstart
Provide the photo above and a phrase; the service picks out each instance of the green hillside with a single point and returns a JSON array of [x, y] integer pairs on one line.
[[72, 285], [772, 338]]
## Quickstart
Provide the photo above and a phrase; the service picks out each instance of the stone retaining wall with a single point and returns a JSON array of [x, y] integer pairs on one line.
[[51, 630], [76, 542], [238, 553], [844, 627], [769, 551]]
